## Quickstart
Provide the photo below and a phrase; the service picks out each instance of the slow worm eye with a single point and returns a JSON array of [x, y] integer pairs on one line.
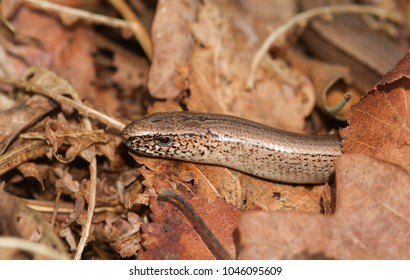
[[154, 120], [163, 140]]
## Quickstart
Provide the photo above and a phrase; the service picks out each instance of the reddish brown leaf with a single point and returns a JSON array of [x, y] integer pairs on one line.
[[119, 68], [68, 50], [399, 72], [170, 234], [380, 122], [371, 219]]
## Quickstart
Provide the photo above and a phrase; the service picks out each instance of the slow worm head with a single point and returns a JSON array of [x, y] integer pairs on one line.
[[236, 143]]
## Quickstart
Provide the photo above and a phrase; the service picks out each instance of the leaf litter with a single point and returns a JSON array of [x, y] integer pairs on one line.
[[71, 172]]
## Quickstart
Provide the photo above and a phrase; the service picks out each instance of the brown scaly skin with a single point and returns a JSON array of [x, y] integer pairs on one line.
[[236, 143]]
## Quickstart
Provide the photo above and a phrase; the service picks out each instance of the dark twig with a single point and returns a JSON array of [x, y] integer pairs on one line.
[[203, 231]]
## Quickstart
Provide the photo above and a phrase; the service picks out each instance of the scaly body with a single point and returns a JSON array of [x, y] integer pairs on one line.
[[236, 143]]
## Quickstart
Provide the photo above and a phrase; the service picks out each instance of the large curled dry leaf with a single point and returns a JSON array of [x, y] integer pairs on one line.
[[371, 219], [380, 122]]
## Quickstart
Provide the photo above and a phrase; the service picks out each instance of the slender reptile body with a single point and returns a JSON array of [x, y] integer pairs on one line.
[[236, 143]]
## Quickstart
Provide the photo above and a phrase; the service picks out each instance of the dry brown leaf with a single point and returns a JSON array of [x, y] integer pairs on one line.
[[131, 70], [123, 233], [357, 36], [16, 119], [164, 106], [79, 204], [66, 183], [219, 64], [172, 42], [68, 50], [107, 193], [8, 210], [330, 82], [59, 133], [8, 7], [68, 235], [119, 69], [170, 235], [127, 246], [279, 10], [278, 196], [371, 219], [380, 122], [185, 172]]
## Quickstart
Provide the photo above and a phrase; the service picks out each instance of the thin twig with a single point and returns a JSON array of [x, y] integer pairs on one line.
[[138, 28], [33, 247], [81, 108], [339, 106], [85, 232], [303, 18], [64, 207], [203, 231]]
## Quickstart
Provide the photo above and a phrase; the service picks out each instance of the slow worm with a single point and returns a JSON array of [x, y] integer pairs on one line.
[[236, 143]]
